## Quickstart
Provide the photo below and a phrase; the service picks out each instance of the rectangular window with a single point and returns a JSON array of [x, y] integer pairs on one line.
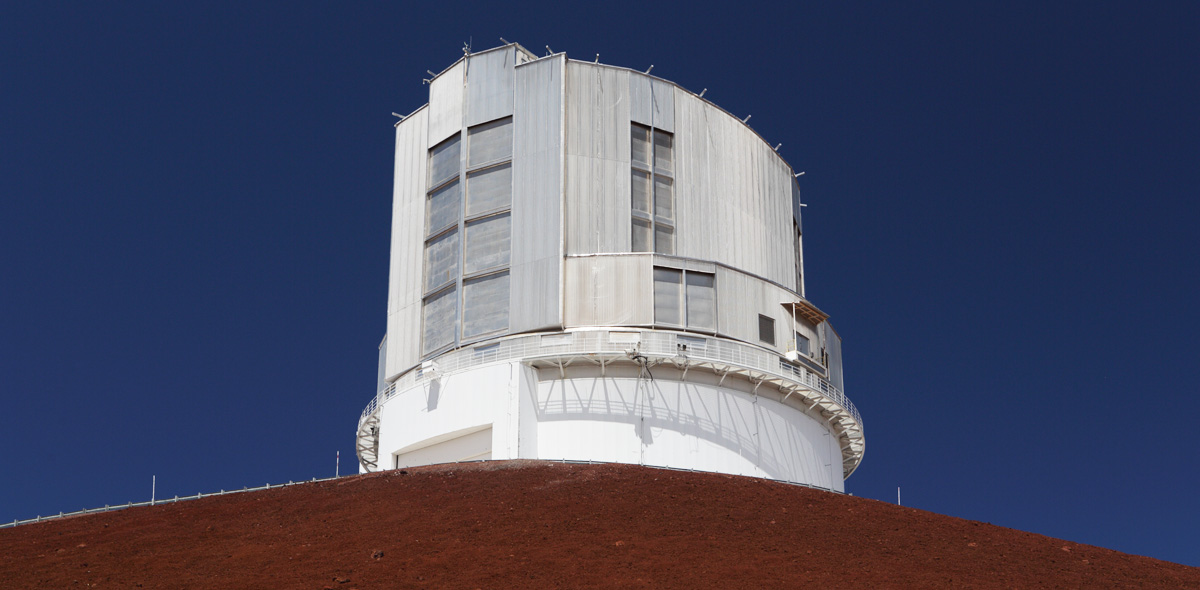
[[803, 346], [489, 190], [441, 260], [668, 296], [485, 305], [685, 299], [439, 321], [441, 208], [652, 190], [488, 244], [701, 301], [490, 142], [444, 161], [766, 330]]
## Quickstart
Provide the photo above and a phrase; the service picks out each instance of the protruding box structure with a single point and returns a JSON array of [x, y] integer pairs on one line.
[[591, 263]]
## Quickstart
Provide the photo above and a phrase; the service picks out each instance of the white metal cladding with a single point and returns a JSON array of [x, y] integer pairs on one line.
[[537, 208], [446, 104], [732, 194], [597, 159], [833, 346], [609, 290], [489, 81], [651, 101], [408, 228]]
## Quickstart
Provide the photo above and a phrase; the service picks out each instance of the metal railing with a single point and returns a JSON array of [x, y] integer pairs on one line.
[[156, 502], [662, 344]]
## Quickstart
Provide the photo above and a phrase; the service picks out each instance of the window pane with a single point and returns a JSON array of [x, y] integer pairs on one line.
[[664, 198], [664, 239], [803, 345], [641, 236], [489, 190], [441, 209], [701, 301], [667, 294], [641, 191], [640, 147], [766, 329], [443, 161], [664, 152], [485, 305], [440, 321], [490, 142], [487, 243], [441, 260]]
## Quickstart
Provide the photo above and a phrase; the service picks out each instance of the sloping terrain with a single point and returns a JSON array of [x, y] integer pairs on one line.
[[544, 525]]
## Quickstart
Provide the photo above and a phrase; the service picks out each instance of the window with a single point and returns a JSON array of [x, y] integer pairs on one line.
[[653, 190], [766, 330], [468, 232], [803, 346], [685, 299]]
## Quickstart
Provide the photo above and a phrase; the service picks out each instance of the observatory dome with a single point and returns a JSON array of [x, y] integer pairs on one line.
[[589, 263]]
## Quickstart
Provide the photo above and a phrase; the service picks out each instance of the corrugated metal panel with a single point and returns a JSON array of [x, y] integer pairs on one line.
[[489, 78], [598, 209], [609, 291], [535, 300], [651, 101], [599, 213], [446, 104], [733, 194], [833, 347], [740, 300], [408, 227]]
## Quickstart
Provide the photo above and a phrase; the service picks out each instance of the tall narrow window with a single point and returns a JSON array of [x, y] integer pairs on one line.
[[685, 299], [468, 236], [653, 190]]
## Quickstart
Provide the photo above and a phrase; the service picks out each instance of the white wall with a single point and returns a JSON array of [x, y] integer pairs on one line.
[[686, 425]]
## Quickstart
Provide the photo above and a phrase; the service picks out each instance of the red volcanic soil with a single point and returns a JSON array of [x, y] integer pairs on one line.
[[544, 525]]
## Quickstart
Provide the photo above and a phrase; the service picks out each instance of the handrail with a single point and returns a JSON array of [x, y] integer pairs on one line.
[[108, 508], [659, 343]]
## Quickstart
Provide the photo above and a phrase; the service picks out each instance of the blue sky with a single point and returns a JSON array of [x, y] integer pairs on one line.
[[195, 210]]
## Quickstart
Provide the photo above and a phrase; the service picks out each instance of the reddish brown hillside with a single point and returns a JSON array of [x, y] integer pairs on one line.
[[540, 525]]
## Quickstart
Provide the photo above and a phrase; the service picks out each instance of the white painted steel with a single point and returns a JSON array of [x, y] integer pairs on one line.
[[408, 228], [597, 159], [446, 104], [489, 83], [537, 205]]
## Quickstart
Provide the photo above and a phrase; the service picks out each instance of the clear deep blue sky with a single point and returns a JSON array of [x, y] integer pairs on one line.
[[1002, 222]]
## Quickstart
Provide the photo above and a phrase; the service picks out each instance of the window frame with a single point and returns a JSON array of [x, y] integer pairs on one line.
[[683, 301], [761, 340], [654, 174]]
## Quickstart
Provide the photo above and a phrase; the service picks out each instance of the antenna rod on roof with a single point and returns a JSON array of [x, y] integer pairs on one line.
[[426, 81], [747, 118], [702, 92], [395, 114], [503, 41], [778, 145], [798, 175], [651, 68], [430, 72], [549, 51], [597, 58]]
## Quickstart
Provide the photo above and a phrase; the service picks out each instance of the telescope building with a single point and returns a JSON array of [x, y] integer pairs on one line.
[[589, 263]]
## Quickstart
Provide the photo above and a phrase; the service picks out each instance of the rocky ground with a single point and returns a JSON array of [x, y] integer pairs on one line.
[[547, 525]]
